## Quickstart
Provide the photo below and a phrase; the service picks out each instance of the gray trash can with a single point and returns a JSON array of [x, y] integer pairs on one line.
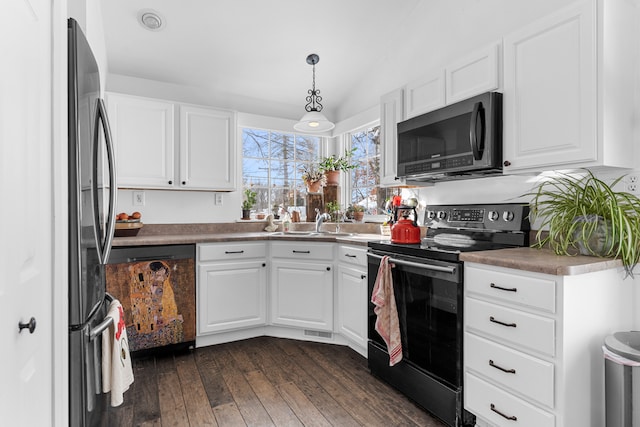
[[622, 379]]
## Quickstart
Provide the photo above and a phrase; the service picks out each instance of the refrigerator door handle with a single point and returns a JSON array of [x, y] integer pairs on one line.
[[98, 330], [101, 118]]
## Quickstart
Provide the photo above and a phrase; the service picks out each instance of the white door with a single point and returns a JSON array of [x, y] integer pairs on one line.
[[26, 282]]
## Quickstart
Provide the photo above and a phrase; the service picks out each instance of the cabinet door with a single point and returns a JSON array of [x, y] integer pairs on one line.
[[207, 149], [231, 295], [475, 74], [143, 135], [352, 304], [302, 294], [424, 95], [550, 92], [390, 114]]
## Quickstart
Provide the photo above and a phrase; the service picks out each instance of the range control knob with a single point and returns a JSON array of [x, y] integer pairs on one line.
[[442, 214], [431, 214], [508, 216], [493, 216]]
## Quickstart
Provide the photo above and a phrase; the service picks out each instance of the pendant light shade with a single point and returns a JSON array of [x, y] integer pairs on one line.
[[313, 120]]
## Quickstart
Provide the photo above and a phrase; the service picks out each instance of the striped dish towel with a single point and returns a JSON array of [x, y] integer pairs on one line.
[[387, 324]]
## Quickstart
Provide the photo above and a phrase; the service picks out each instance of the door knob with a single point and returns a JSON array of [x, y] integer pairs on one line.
[[31, 325]]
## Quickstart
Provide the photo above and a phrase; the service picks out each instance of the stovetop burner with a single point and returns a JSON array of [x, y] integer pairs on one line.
[[452, 229]]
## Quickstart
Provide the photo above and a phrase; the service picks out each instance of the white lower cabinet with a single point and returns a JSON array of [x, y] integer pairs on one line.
[[532, 344], [352, 296], [232, 286], [302, 285]]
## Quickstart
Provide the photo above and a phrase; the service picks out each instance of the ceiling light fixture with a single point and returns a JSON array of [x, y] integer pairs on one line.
[[313, 120], [150, 19]]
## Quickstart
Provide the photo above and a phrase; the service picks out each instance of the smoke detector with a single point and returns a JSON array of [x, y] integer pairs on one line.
[[151, 19]]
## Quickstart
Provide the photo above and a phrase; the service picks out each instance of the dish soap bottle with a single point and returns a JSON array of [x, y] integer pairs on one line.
[[286, 222]]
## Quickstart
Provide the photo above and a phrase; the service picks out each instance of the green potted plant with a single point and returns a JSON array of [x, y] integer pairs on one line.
[[584, 215], [313, 178], [355, 212], [333, 208], [249, 202], [332, 165]]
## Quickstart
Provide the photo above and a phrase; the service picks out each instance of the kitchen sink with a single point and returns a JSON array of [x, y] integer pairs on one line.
[[311, 233]]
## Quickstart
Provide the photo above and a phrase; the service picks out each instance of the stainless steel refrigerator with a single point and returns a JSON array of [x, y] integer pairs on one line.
[[92, 194]]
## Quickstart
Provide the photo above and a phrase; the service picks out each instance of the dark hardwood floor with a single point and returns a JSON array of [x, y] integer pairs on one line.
[[263, 382]]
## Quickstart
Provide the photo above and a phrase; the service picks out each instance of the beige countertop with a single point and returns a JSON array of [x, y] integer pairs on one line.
[[360, 239], [541, 261]]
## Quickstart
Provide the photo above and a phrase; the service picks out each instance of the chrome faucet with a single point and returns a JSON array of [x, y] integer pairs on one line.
[[320, 217]]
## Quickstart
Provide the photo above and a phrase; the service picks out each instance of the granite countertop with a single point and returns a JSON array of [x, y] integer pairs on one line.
[[541, 261]]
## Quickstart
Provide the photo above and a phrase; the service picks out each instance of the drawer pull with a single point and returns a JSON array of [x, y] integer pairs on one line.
[[301, 252], [512, 417], [233, 252], [494, 286], [508, 371], [493, 319], [350, 256]]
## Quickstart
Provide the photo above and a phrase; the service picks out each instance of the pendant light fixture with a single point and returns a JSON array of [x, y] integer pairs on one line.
[[313, 120]]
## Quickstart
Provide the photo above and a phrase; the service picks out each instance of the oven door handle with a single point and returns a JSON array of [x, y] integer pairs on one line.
[[450, 270]]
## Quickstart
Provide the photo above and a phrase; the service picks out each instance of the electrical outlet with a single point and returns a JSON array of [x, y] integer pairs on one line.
[[138, 198], [218, 199], [631, 183]]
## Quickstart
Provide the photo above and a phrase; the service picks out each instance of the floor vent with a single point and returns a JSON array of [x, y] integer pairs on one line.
[[321, 334]]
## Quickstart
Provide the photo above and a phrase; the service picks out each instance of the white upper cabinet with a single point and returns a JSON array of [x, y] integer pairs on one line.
[[144, 141], [476, 73], [207, 149], [426, 94], [568, 89], [156, 150], [390, 114]]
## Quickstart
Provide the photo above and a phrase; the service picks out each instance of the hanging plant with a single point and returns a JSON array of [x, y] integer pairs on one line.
[[584, 215]]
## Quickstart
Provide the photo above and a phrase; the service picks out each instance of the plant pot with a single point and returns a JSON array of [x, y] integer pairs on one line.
[[358, 216], [246, 213], [314, 187], [593, 235], [333, 177]]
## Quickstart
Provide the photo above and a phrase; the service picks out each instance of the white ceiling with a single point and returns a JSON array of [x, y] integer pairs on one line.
[[255, 48]]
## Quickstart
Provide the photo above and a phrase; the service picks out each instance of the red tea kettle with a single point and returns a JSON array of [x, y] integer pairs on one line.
[[405, 230]]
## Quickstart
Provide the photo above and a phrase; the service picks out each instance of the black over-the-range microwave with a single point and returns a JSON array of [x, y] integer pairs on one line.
[[461, 140]]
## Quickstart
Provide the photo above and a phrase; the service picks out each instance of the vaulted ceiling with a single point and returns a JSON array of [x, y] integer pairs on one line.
[[254, 48]]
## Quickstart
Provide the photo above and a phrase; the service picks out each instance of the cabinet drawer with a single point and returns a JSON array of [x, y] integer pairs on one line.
[[302, 250], [231, 251], [520, 372], [480, 397], [513, 326], [352, 255], [515, 288]]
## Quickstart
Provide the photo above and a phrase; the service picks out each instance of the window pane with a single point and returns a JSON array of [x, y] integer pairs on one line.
[[255, 143], [271, 167], [365, 178]]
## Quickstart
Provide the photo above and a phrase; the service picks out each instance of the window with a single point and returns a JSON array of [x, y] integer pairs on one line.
[[364, 180], [271, 166]]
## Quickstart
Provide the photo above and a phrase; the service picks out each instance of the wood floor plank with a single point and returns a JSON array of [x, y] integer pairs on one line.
[[214, 385], [275, 405], [228, 415], [302, 406], [195, 397], [145, 392], [172, 406], [248, 403]]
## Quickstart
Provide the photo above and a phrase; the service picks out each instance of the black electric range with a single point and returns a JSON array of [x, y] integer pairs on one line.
[[452, 229]]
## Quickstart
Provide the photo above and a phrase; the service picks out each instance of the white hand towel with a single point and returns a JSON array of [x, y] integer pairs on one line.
[[387, 323], [117, 372]]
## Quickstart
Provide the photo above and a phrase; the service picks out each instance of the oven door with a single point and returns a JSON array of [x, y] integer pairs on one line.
[[428, 295]]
